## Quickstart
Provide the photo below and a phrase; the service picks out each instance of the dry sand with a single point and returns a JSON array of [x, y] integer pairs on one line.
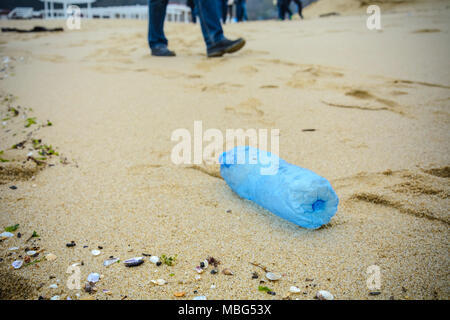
[[379, 101]]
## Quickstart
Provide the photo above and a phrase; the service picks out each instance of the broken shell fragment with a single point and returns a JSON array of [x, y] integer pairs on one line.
[[133, 262], [50, 257], [6, 235], [154, 259], [179, 294], [17, 264], [199, 298], [109, 262], [294, 289], [95, 252], [159, 282], [227, 272], [324, 295], [32, 253], [55, 298], [273, 276], [199, 269], [93, 277]]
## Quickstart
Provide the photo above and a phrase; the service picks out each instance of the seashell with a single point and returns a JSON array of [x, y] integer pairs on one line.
[[294, 289], [324, 295], [55, 298], [6, 235], [93, 277], [159, 282], [105, 291], [199, 298], [154, 259], [179, 294], [199, 269], [133, 262], [205, 262], [95, 252], [13, 248], [17, 264], [53, 286], [227, 272], [273, 276], [32, 253], [50, 257], [109, 262], [197, 277]]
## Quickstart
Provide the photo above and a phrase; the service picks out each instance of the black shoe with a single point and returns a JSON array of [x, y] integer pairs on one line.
[[162, 52], [225, 46]]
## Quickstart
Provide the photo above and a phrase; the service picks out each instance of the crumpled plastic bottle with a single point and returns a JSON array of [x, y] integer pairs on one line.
[[291, 192]]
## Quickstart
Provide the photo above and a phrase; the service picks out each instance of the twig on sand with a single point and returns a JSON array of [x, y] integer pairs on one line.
[[259, 266]]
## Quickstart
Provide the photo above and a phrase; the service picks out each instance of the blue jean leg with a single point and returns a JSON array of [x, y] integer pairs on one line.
[[156, 17], [208, 12]]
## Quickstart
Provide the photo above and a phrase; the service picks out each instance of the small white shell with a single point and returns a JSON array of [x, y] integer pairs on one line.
[[95, 252], [13, 248], [6, 235], [159, 282], [53, 286], [199, 298], [273, 276], [199, 269], [55, 298], [198, 277], [154, 259], [93, 277], [324, 295], [17, 264], [294, 289], [133, 262], [31, 253], [109, 262], [206, 263]]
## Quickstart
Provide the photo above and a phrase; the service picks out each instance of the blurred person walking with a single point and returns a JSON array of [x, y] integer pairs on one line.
[[191, 4], [241, 10], [216, 43], [223, 8]]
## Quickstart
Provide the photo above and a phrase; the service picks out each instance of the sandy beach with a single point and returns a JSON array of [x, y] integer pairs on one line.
[[379, 104]]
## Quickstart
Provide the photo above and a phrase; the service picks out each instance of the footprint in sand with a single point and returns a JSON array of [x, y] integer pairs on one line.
[[248, 107], [421, 194]]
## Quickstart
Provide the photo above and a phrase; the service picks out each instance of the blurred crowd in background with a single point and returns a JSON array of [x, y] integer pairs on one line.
[[236, 10]]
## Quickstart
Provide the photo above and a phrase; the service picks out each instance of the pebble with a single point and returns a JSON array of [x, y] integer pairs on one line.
[[133, 262], [273, 276], [93, 277], [13, 187], [17, 264], [374, 293], [227, 272], [255, 275], [154, 259], [324, 295], [294, 289], [214, 271], [71, 244], [50, 257], [95, 252]]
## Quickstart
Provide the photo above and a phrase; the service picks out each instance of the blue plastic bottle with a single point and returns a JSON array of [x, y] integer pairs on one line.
[[291, 192]]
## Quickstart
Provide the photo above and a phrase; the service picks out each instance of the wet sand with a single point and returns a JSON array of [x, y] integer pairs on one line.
[[378, 101]]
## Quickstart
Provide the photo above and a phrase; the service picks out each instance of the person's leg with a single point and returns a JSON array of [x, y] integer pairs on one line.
[[300, 7], [238, 10], [244, 10], [156, 16], [223, 4], [209, 21], [280, 9]]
